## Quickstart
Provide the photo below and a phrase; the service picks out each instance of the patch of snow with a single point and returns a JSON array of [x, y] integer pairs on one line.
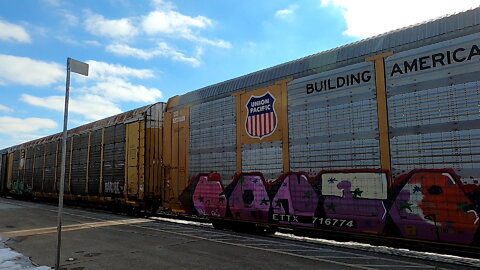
[[12, 260], [179, 221], [389, 250]]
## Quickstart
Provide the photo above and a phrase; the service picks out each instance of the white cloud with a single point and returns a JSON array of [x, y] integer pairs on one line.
[[98, 95], [118, 29], [102, 70], [286, 13], [372, 17], [69, 18], [172, 22], [163, 50], [92, 107], [52, 2], [125, 50], [168, 22], [26, 71], [164, 23], [4, 108], [92, 42], [19, 125], [162, 4], [116, 89], [13, 32]]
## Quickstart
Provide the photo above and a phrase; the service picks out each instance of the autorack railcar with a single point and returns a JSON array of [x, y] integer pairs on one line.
[[115, 161], [381, 136]]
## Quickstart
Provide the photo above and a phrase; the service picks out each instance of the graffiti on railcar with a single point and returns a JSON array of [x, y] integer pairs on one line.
[[294, 197], [208, 197], [114, 187], [356, 195], [424, 204], [432, 205], [20, 188], [248, 198]]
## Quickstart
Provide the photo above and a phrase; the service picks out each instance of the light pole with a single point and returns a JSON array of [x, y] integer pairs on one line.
[[80, 68]]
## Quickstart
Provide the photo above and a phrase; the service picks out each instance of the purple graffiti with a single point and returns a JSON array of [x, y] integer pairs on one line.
[[249, 199], [368, 214], [208, 198], [295, 197]]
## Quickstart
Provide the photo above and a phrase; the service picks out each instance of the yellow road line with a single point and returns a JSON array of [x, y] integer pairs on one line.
[[89, 225]]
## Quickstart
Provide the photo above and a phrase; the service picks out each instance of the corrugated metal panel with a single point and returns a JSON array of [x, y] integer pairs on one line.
[[399, 40], [336, 128], [213, 138], [154, 115], [94, 163], [266, 158], [49, 167], [79, 164], [434, 112], [114, 160], [37, 177]]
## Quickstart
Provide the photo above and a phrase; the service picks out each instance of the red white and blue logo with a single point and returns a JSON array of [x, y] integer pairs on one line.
[[261, 116]]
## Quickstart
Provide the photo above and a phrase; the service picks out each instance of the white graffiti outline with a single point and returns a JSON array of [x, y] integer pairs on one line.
[[384, 211], [476, 215]]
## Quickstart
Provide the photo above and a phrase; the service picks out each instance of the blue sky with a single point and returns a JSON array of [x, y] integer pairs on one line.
[[145, 51]]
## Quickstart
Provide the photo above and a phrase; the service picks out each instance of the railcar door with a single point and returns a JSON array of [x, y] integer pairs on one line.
[[135, 160], [175, 149]]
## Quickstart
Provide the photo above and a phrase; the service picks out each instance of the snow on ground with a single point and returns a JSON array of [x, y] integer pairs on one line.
[[367, 247], [389, 250], [12, 260]]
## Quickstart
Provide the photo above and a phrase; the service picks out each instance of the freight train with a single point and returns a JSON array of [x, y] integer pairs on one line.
[[378, 137]]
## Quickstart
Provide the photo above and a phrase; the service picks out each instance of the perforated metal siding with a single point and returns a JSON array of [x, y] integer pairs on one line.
[[434, 113], [266, 158], [333, 129], [213, 138]]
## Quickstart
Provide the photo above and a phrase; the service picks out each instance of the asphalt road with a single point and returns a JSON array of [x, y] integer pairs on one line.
[[100, 240]]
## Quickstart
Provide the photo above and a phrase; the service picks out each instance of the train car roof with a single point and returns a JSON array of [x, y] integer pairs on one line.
[[422, 34], [121, 118]]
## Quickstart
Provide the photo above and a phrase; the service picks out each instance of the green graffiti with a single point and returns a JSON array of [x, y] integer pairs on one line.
[[406, 205], [357, 193], [19, 187], [307, 195]]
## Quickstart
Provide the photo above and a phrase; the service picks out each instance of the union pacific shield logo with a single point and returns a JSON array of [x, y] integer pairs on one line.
[[261, 116]]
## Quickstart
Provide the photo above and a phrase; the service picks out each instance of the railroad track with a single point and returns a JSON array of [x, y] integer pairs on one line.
[[361, 241], [301, 243]]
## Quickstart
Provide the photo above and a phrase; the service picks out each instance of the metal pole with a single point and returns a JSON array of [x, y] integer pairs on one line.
[[62, 172]]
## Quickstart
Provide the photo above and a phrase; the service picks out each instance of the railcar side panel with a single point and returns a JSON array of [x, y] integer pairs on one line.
[[3, 171], [433, 101], [333, 121], [391, 154], [49, 167], [10, 164], [213, 138], [262, 144], [95, 162], [79, 164]]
